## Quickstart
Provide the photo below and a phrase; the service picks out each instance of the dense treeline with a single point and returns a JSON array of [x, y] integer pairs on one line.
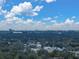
[[16, 53], [12, 44]]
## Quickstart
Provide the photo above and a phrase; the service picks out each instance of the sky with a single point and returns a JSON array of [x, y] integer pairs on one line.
[[39, 14]]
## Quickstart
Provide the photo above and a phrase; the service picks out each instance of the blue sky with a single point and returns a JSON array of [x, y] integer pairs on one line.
[[39, 14]]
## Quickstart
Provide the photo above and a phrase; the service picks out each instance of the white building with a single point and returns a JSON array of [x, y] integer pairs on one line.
[[38, 45], [75, 52], [50, 49]]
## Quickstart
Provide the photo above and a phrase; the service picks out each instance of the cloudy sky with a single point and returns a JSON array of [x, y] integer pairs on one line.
[[39, 14]]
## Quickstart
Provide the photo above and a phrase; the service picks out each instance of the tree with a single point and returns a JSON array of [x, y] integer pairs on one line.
[[1, 55]]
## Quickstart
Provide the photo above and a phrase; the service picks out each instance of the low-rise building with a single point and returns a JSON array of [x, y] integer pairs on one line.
[[76, 53]]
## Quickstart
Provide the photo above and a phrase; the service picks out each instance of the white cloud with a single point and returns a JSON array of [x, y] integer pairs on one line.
[[47, 19], [29, 21], [53, 21], [18, 9], [73, 17], [2, 12], [38, 8], [50, 18], [68, 21], [13, 22], [49, 1], [68, 24], [25, 8], [34, 14], [22, 7], [30, 24], [2, 2], [56, 17]]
